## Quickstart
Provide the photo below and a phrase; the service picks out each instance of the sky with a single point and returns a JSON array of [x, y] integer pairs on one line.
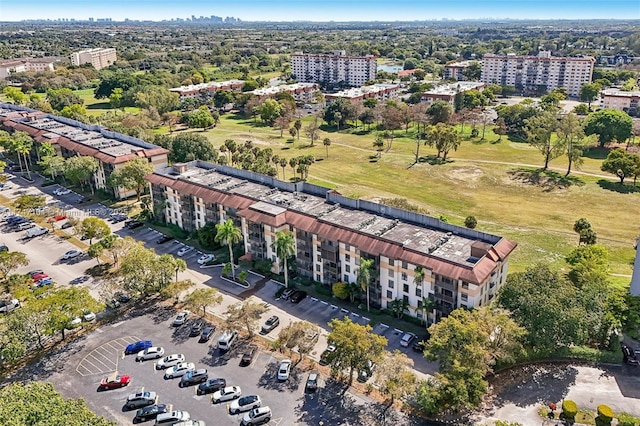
[[320, 10]]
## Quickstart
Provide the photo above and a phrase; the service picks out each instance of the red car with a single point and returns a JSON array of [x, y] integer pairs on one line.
[[38, 277], [115, 381]]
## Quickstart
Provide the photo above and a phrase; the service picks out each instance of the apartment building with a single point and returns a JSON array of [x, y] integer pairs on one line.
[[381, 92], [463, 267], [335, 68], [301, 92], [617, 99], [455, 71], [206, 90], [70, 138], [13, 66], [99, 57], [448, 92], [531, 73]]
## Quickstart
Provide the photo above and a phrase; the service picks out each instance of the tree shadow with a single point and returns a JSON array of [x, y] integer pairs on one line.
[[332, 407], [183, 333], [596, 153], [433, 160], [548, 180], [218, 358], [99, 105], [618, 187], [98, 270], [269, 379]]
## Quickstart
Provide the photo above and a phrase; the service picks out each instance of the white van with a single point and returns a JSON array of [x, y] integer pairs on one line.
[[172, 418], [36, 232], [26, 225], [227, 339]]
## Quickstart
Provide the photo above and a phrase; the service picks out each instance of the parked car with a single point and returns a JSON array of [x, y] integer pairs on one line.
[[325, 355], [62, 191], [196, 328], [170, 361], [419, 345], [115, 380], [248, 355], [150, 412], [134, 348], [246, 403], [88, 316], [43, 281], [630, 356], [3, 247], [154, 352], [179, 370], [140, 399], [207, 332], [226, 341], [181, 318], [164, 239], [288, 292], [38, 276], [312, 381], [284, 369], [184, 250], [366, 373], [205, 258], [271, 323], [173, 418], [75, 322], [190, 422], [257, 416], [35, 272], [36, 232], [226, 394], [26, 225], [298, 296], [71, 254], [9, 305], [194, 377], [211, 385], [407, 339]]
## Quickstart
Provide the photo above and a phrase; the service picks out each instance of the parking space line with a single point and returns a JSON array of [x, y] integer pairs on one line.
[[314, 299], [334, 307], [100, 370], [89, 372], [324, 302], [94, 353], [354, 314], [346, 311], [97, 360], [366, 319]]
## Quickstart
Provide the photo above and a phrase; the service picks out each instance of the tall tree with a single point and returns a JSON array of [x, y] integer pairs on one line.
[[620, 163], [364, 276], [200, 118], [395, 378], [440, 112], [229, 234], [609, 125], [589, 92], [297, 335], [94, 227], [132, 176], [539, 130], [284, 246], [246, 314], [313, 130], [444, 137], [10, 261], [80, 169], [419, 274], [200, 299], [571, 133], [327, 143]]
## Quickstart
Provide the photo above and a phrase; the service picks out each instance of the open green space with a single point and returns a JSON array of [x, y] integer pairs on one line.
[[95, 106]]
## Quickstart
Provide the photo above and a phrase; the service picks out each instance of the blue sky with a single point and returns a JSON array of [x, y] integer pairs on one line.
[[320, 10]]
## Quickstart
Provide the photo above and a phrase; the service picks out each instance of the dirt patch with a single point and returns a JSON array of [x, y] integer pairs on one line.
[[468, 174], [248, 137], [547, 180]]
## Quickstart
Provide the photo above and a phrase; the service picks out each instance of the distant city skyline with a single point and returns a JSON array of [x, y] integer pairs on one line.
[[320, 11]]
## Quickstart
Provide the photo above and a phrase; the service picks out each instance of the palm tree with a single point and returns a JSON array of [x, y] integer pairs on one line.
[[418, 279], [22, 144], [284, 246], [327, 142], [179, 266], [364, 276], [229, 234]]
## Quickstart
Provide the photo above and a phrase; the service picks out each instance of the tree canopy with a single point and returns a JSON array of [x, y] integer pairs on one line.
[[609, 125]]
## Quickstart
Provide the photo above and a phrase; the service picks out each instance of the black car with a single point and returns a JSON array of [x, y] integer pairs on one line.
[[3, 248], [207, 333], [211, 386], [287, 293], [419, 345], [164, 239], [196, 328], [150, 412], [134, 224], [193, 377], [270, 324], [298, 296], [248, 356]]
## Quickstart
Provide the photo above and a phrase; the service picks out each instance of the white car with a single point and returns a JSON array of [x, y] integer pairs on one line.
[[284, 369], [89, 316], [179, 370], [181, 318], [246, 403], [205, 258], [71, 254], [153, 352], [62, 191], [170, 361], [184, 250], [227, 394], [75, 322]]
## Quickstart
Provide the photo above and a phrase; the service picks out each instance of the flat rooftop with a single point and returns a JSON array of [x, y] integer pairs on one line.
[[212, 85], [452, 89], [361, 91], [267, 91], [438, 243]]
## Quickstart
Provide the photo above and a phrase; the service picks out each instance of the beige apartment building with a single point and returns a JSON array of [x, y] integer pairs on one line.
[[70, 138], [531, 73], [99, 57], [301, 92], [455, 70], [448, 92], [617, 99], [205, 90], [463, 267], [335, 68], [381, 92], [13, 66]]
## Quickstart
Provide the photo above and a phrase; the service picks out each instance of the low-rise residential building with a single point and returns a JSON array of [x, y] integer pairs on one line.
[[617, 99], [448, 92], [98, 57], [541, 73], [335, 68], [456, 70], [462, 267], [13, 66], [381, 92], [301, 92], [70, 138], [205, 90]]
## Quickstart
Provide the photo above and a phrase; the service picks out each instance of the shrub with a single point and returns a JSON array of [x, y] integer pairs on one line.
[[325, 291], [470, 222], [605, 415], [262, 266], [340, 290], [569, 409]]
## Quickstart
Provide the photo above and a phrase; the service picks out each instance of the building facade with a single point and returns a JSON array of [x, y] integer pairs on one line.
[[336, 68], [99, 57], [301, 92], [531, 73], [70, 138], [25, 65], [206, 90], [381, 92], [617, 99], [448, 92], [455, 71], [462, 267]]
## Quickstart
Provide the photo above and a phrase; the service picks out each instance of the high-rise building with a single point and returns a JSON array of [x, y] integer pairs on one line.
[[99, 58], [335, 68], [532, 74]]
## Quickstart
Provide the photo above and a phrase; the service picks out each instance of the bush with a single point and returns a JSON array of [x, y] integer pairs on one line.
[[605, 415], [323, 290], [470, 222], [569, 409], [263, 266], [340, 290]]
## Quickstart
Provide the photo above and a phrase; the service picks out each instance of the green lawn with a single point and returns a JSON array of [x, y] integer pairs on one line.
[[95, 106]]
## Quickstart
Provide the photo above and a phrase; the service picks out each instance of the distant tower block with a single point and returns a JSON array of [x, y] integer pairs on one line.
[[635, 278]]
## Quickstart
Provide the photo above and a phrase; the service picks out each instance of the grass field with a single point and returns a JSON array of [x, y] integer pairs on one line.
[[95, 106]]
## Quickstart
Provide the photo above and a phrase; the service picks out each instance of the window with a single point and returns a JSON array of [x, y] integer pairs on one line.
[[405, 299], [319, 257], [404, 265], [318, 278], [347, 258], [418, 292], [347, 268], [465, 285], [391, 273], [347, 247], [390, 262], [464, 297], [318, 268], [389, 294], [345, 278], [404, 276], [405, 288]]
